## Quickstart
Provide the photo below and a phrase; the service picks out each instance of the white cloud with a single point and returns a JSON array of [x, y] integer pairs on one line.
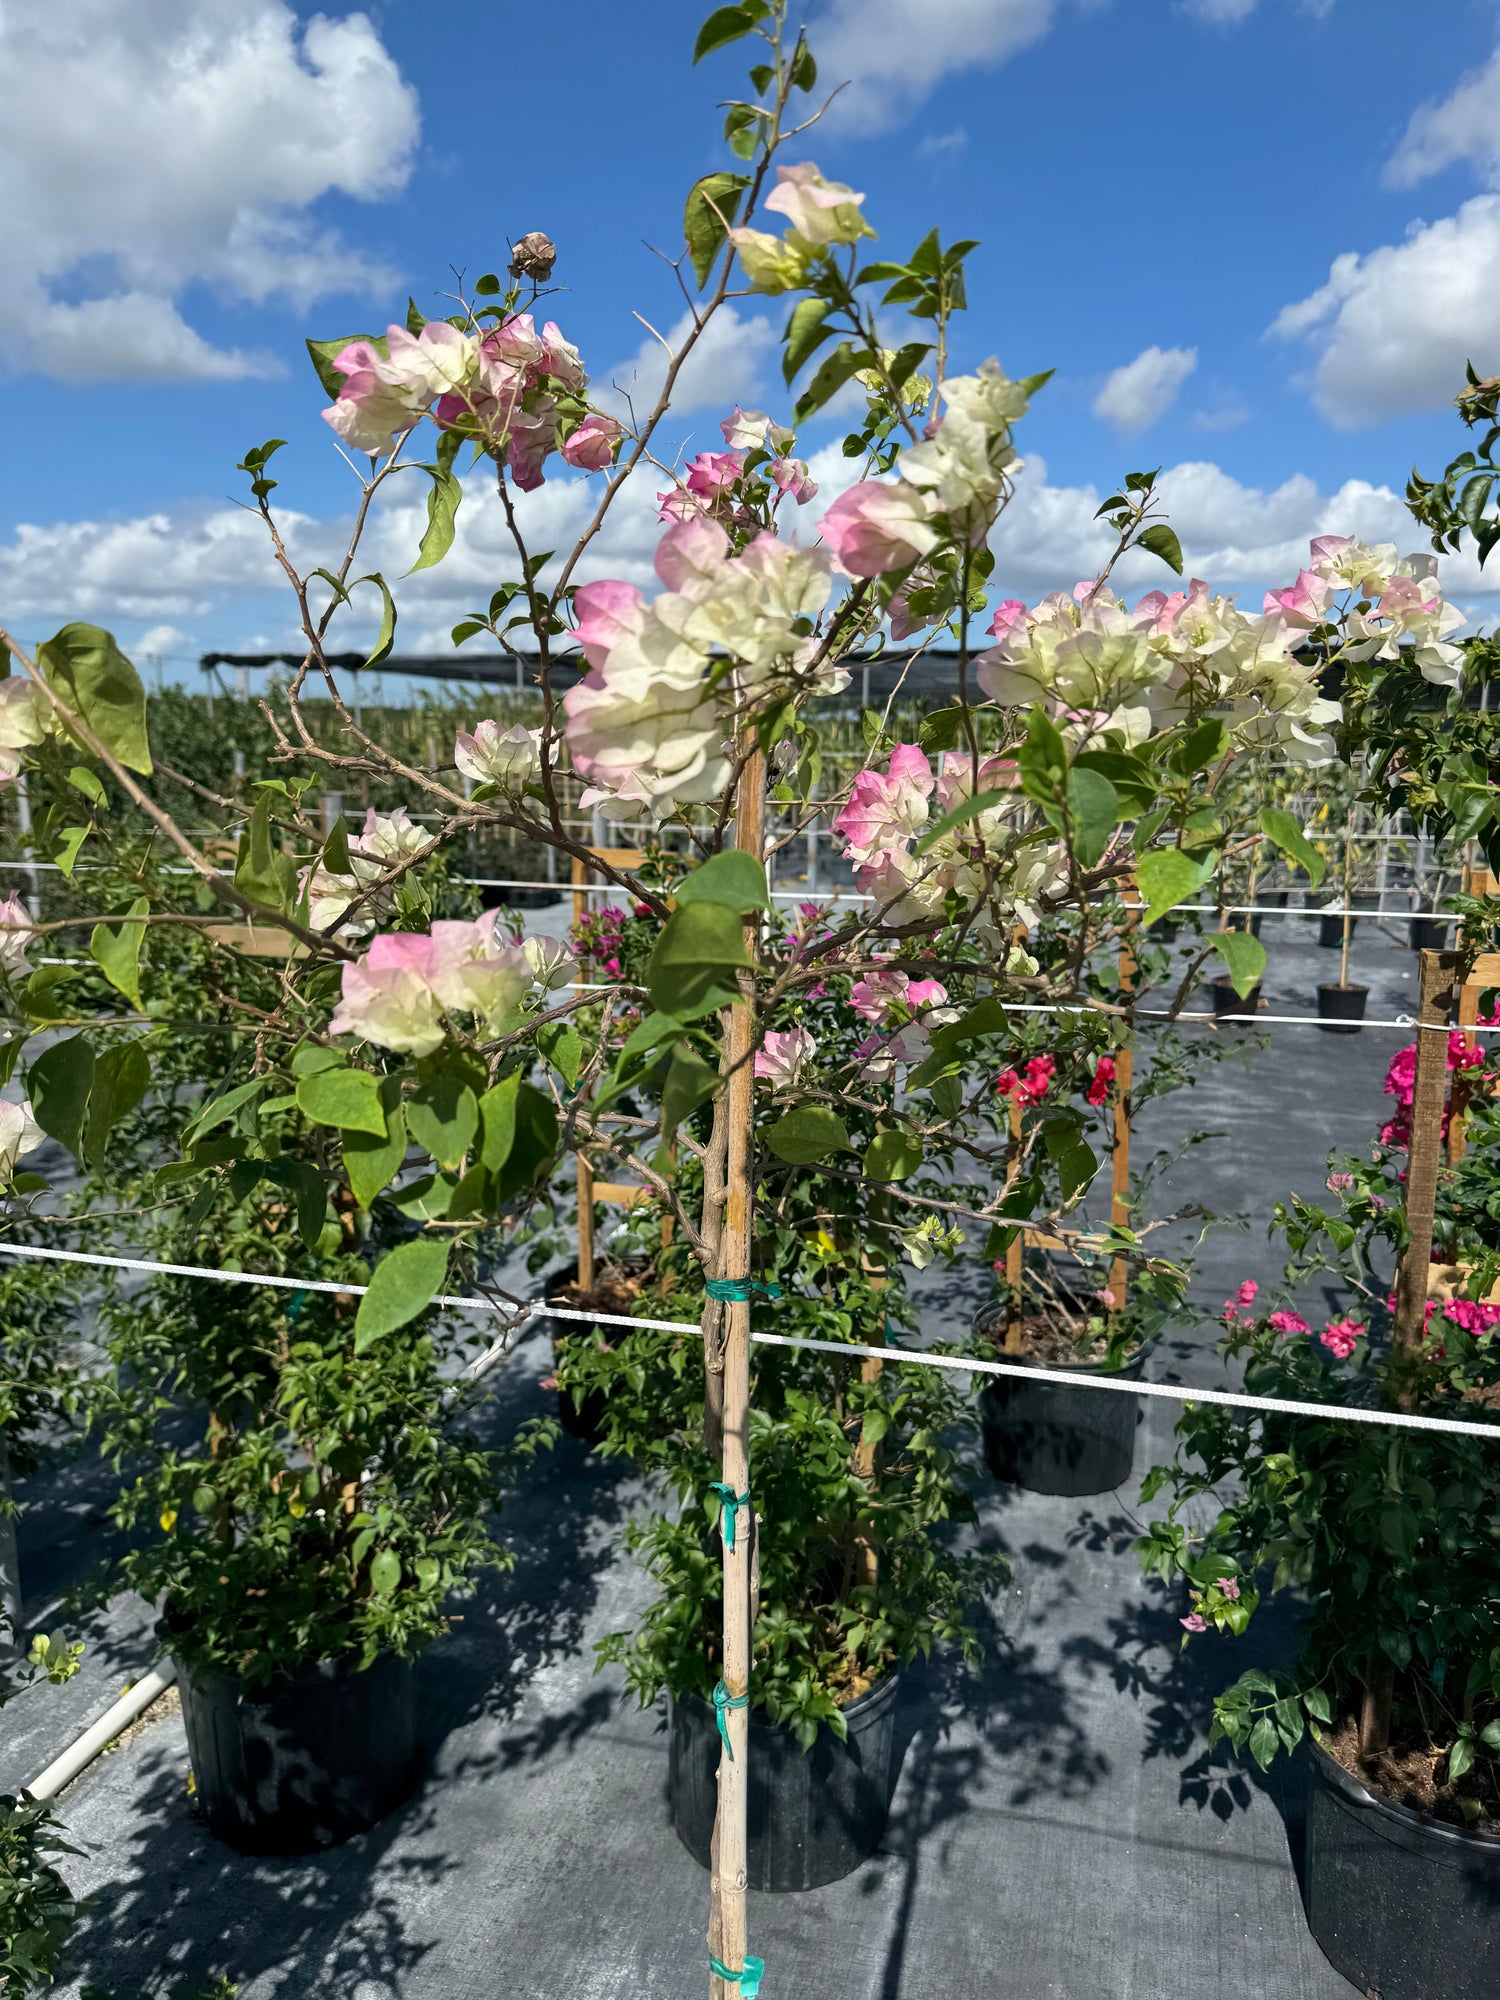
[[1226, 416], [148, 148], [943, 145], [1394, 328], [1141, 392], [1464, 126], [207, 575], [1223, 11], [891, 53], [725, 367]]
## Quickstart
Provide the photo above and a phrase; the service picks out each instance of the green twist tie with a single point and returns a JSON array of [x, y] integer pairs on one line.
[[730, 1504], [748, 1980], [724, 1699], [736, 1291]]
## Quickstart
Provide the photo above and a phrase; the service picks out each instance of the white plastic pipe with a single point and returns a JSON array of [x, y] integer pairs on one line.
[[99, 1735]]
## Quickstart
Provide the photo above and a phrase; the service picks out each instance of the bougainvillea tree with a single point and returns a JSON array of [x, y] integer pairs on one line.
[[1079, 751]]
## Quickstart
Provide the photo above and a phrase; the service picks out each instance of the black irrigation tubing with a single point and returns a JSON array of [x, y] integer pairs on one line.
[[901, 1356]]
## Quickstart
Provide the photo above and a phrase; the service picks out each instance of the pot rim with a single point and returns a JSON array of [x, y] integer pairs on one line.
[[1133, 1362], [1359, 1794], [315, 1673], [883, 1692]]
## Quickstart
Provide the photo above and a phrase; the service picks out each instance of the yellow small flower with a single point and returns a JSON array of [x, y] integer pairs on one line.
[[168, 1519]]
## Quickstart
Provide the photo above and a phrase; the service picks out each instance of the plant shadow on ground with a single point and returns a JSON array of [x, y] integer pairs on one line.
[[181, 1904], [1141, 1654], [1007, 1724]]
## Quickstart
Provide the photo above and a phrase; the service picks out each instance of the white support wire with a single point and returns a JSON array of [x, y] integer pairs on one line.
[[904, 1357]]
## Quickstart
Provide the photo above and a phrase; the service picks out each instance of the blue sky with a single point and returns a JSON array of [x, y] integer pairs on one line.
[[1256, 241]]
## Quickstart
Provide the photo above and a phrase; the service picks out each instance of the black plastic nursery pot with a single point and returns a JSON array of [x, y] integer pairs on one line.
[[1338, 1004], [1226, 1001], [1431, 933], [814, 1815], [540, 897], [300, 1763], [1056, 1438], [1331, 932], [1402, 1905], [583, 1419]]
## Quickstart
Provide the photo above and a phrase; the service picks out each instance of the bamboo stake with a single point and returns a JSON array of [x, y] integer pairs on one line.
[[727, 1927], [1119, 1196], [1348, 920]]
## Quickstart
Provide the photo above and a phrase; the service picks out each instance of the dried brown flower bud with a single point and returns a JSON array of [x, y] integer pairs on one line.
[[533, 257]]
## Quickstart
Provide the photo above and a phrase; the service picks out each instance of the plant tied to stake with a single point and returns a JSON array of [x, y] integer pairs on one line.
[[399, 1091]]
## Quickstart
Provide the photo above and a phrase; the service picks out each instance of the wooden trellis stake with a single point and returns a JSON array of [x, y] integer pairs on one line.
[[729, 1876], [1119, 1193], [589, 1189], [1441, 974], [1476, 882]]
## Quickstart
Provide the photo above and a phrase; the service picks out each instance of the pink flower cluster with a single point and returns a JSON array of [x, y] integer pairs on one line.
[[397, 994], [1245, 1296], [1101, 1082], [1340, 1336], [903, 1011], [1032, 1087], [714, 481], [1401, 1083], [601, 937], [516, 390], [1288, 1323]]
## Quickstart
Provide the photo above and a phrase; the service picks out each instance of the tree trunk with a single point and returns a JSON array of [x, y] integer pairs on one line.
[[1440, 973]]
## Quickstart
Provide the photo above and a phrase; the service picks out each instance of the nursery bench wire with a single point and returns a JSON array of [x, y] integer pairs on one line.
[[904, 1356]]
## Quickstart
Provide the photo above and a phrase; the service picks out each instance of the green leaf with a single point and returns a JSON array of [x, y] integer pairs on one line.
[[305, 1185], [321, 353], [1264, 1741], [1245, 957], [1132, 780], [122, 1076], [58, 1084], [82, 779], [347, 1098], [1315, 1701], [893, 1156], [442, 1116], [736, 880], [404, 1284], [966, 809], [806, 331], [66, 856], [99, 684], [695, 959], [562, 1045], [534, 1146], [116, 950], [1282, 830], [387, 634], [308, 1059], [372, 1163], [690, 1081], [1460, 1757], [712, 203], [942, 729], [1094, 810], [1160, 541], [1199, 747], [807, 1135], [1071, 1154], [834, 372], [261, 871], [1168, 877], [497, 1118], [442, 509], [654, 1032], [723, 26], [385, 1572], [220, 1109]]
